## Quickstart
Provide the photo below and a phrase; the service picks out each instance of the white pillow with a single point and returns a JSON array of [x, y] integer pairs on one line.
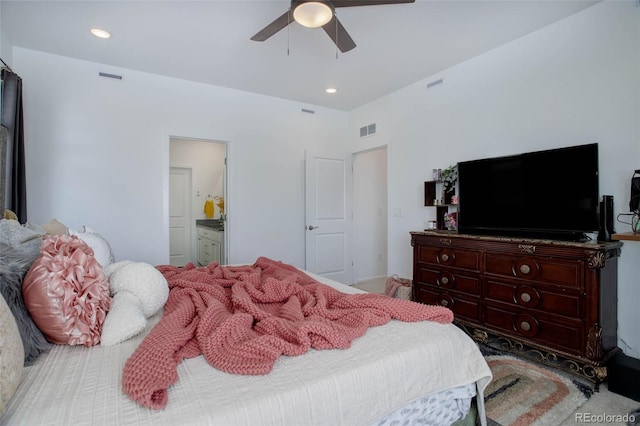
[[11, 355], [124, 320], [139, 291], [101, 249]]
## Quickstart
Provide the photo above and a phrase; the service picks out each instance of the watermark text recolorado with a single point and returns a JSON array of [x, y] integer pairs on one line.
[[628, 418]]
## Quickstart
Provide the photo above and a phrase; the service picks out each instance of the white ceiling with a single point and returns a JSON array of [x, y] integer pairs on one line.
[[209, 41]]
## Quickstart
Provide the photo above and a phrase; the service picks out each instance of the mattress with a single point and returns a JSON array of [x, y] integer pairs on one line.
[[389, 367]]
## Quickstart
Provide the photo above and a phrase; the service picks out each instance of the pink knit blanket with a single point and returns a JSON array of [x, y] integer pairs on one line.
[[243, 318]]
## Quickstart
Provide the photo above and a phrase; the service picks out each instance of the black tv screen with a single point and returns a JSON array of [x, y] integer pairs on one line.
[[543, 194]]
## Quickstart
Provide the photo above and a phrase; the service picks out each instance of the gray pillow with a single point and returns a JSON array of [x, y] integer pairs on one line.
[[21, 238], [13, 268]]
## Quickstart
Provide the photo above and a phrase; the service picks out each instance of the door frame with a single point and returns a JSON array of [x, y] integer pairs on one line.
[[354, 238], [227, 194]]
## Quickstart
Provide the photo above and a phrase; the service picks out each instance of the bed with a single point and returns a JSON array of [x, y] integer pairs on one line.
[[421, 372]]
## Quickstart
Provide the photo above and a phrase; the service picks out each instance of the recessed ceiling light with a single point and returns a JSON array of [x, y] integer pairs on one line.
[[331, 90], [100, 33]]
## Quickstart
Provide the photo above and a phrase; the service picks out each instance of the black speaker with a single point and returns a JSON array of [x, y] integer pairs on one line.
[[624, 376], [634, 201], [606, 218]]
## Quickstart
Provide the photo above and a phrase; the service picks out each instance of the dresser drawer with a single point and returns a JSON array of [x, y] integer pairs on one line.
[[449, 279], [461, 307], [533, 296], [562, 335], [453, 257], [549, 270]]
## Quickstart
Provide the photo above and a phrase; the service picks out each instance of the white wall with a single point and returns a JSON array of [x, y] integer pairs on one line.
[[5, 50], [5, 43], [2, 36], [98, 154], [574, 82]]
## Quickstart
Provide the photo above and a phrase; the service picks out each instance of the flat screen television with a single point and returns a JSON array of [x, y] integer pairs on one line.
[[544, 194]]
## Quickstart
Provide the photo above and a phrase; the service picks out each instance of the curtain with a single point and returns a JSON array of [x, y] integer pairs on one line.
[[3, 162], [15, 188]]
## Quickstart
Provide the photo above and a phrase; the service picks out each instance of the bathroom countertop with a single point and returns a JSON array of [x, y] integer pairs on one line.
[[215, 224]]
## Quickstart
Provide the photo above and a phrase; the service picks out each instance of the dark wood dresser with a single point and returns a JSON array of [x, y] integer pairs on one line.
[[551, 301]]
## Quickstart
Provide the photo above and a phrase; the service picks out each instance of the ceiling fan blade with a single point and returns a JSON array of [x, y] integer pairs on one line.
[[339, 35], [349, 3], [281, 22]]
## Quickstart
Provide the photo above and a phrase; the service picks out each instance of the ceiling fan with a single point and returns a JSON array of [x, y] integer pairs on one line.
[[314, 14]]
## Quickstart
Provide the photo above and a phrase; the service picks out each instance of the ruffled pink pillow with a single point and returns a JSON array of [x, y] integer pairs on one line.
[[66, 292]]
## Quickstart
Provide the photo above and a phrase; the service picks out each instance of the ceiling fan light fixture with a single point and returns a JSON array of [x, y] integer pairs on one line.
[[312, 14], [100, 33]]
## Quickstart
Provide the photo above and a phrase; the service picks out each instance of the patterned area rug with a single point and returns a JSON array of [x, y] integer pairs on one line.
[[523, 393]]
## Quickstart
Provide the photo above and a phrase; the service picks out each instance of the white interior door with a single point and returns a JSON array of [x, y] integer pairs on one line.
[[180, 216], [328, 216]]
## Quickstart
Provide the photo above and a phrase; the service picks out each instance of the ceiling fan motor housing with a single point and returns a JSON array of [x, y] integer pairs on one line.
[[296, 3]]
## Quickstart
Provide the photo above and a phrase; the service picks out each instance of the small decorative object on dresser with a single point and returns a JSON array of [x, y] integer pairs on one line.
[[440, 193], [451, 221], [552, 301], [449, 178]]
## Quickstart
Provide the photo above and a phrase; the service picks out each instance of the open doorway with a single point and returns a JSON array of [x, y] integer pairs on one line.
[[203, 164], [370, 215]]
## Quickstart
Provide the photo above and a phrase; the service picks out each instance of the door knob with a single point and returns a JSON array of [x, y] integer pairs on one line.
[[311, 227]]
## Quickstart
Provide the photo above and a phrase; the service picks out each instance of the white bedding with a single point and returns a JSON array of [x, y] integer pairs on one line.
[[389, 367], [441, 408]]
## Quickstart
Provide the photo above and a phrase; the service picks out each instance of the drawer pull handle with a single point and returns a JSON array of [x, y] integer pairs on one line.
[[525, 326], [444, 280], [445, 257], [444, 303], [525, 269], [525, 297]]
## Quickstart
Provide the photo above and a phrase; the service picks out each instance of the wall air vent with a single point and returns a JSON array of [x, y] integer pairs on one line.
[[308, 111], [368, 130], [434, 83], [115, 76]]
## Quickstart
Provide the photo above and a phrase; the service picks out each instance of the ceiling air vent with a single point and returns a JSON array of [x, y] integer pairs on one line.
[[368, 130]]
